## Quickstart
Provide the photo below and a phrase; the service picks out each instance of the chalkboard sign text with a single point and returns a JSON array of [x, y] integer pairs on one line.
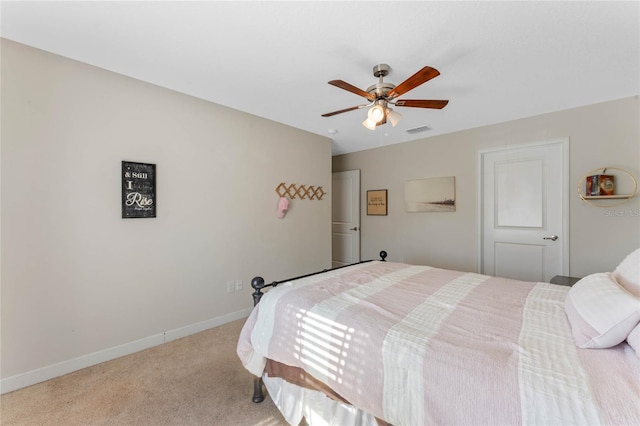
[[138, 190]]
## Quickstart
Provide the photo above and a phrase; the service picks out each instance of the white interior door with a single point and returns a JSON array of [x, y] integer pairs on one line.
[[524, 224], [345, 218]]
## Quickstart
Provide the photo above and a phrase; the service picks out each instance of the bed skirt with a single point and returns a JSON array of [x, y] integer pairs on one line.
[[296, 402]]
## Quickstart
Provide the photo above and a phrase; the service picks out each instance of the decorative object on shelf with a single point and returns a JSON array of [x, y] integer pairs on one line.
[[602, 186], [377, 202], [599, 185], [302, 191], [138, 190], [430, 195]]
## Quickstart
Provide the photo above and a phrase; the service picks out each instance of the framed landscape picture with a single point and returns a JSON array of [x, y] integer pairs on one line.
[[430, 195]]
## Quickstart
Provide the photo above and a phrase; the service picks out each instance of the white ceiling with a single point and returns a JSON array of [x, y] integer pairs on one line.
[[499, 61]]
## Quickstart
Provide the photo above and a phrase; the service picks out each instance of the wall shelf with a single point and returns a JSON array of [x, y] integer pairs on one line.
[[600, 200]]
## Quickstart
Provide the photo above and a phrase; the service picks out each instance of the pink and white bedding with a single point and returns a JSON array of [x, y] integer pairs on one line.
[[415, 345]]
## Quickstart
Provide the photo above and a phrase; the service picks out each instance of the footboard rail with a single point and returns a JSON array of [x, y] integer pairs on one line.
[[258, 285]]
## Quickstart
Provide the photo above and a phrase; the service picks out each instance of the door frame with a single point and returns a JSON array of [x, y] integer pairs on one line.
[[564, 143]]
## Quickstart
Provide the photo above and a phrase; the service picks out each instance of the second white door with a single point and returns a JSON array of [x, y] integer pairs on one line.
[[524, 226], [345, 218]]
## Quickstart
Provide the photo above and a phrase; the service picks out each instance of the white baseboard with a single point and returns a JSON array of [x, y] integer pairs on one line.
[[29, 378], [188, 330]]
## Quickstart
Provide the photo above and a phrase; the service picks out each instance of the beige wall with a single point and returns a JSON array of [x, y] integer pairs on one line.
[[605, 134], [77, 279]]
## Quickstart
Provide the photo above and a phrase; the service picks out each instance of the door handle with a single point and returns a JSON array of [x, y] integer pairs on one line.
[[355, 228], [552, 238]]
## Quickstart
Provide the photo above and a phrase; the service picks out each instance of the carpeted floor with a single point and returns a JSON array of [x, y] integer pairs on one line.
[[197, 380]]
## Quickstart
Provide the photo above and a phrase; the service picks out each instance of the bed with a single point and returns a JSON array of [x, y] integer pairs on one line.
[[391, 343]]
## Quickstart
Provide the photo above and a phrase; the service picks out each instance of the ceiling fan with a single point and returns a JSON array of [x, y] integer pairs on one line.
[[381, 95]]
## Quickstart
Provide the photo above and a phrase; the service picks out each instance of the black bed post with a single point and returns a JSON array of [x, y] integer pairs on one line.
[[383, 256], [258, 392], [258, 284]]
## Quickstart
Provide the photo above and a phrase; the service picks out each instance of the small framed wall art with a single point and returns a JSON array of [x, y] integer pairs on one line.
[[138, 190], [377, 202]]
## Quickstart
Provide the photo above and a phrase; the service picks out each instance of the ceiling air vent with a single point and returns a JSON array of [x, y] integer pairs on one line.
[[418, 130]]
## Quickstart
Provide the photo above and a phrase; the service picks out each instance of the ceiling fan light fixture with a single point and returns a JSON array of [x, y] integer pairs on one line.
[[376, 114], [369, 124], [393, 116]]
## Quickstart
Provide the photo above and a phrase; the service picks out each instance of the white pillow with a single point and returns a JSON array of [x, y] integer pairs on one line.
[[601, 312], [633, 339], [627, 273]]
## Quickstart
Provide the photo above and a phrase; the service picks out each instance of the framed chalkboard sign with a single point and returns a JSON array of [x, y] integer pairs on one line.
[[138, 190]]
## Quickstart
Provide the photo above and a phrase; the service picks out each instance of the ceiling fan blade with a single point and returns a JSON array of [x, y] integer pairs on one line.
[[421, 103], [353, 89], [329, 114], [422, 76]]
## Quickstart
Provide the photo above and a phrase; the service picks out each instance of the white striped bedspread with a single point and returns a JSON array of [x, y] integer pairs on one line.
[[417, 345]]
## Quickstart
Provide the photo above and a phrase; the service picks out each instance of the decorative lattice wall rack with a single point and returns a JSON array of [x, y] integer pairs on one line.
[[300, 191]]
